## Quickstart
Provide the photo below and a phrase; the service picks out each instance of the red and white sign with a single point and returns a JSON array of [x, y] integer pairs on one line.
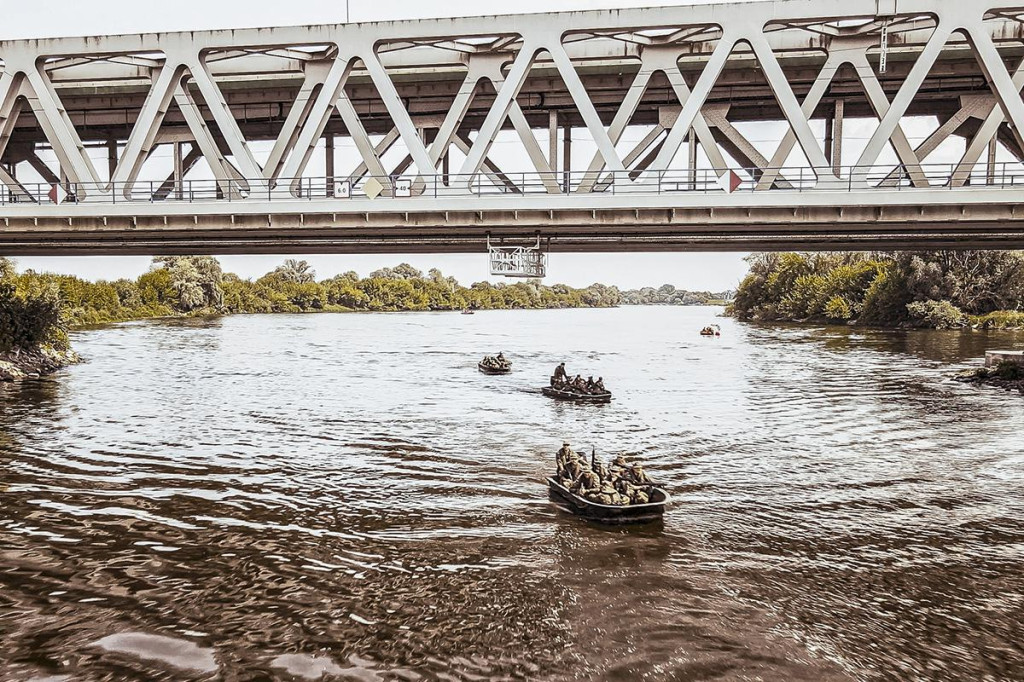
[[57, 194], [730, 181]]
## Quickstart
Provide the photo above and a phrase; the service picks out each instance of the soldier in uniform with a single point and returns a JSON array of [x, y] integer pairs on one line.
[[599, 385], [600, 469], [617, 467], [560, 376], [587, 484], [575, 468], [624, 487], [637, 476], [609, 495], [562, 457]]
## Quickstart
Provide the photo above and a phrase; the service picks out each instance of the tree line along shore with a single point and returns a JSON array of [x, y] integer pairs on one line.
[[934, 289], [38, 309]]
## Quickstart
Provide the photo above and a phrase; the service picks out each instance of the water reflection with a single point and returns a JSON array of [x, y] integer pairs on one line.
[[174, 652], [344, 495]]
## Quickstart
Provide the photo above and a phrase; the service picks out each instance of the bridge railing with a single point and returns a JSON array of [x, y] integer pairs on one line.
[[494, 184]]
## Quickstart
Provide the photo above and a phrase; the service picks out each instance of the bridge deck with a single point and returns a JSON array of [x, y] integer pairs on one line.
[[428, 135]]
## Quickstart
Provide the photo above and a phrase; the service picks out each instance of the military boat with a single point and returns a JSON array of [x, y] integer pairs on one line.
[[575, 396], [711, 330], [490, 369], [610, 513]]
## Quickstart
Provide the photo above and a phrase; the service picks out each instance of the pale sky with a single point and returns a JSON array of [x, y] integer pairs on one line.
[[711, 271]]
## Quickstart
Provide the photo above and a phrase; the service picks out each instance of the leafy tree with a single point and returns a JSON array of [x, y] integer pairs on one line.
[[930, 288], [401, 271], [29, 320], [195, 279], [156, 288], [936, 314], [298, 271]]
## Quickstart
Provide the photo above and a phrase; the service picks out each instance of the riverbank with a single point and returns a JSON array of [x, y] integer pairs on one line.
[[928, 290], [1005, 321], [17, 365], [1007, 375]]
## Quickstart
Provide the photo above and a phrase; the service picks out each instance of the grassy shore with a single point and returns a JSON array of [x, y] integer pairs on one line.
[[16, 365]]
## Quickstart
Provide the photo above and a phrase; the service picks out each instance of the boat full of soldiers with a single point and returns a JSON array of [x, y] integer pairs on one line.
[[576, 389], [617, 492], [495, 364]]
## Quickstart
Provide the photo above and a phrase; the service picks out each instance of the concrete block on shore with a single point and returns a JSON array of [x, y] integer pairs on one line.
[[994, 357]]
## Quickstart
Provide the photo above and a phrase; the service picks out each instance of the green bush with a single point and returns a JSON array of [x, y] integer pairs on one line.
[[1000, 319], [936, 314], [1009, 371], [29, 319], [936, 288], [838, 308]]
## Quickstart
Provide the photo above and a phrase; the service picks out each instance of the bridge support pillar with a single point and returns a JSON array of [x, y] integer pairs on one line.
[[837, 136], [179, 172], [553, 140], [567, 158], [691, 159], [990, 174], [111, 157], [829, 138], [329, 164]]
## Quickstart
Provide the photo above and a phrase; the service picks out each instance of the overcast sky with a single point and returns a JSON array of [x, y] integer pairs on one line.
[[688, 270], [97, 17]]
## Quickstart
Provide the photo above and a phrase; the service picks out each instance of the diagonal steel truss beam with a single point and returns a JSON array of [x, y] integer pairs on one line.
[[196, 72], [741, 148]]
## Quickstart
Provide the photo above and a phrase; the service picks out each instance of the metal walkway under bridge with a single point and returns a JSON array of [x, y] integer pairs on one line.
[[810, 124]]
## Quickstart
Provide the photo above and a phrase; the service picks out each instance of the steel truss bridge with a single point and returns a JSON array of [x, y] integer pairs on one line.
[[438, 111]]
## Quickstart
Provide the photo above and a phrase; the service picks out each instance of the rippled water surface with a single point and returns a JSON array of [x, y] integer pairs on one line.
[[346, 497]]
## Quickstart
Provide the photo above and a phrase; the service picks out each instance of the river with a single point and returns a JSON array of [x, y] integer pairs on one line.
[[345, 495]]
